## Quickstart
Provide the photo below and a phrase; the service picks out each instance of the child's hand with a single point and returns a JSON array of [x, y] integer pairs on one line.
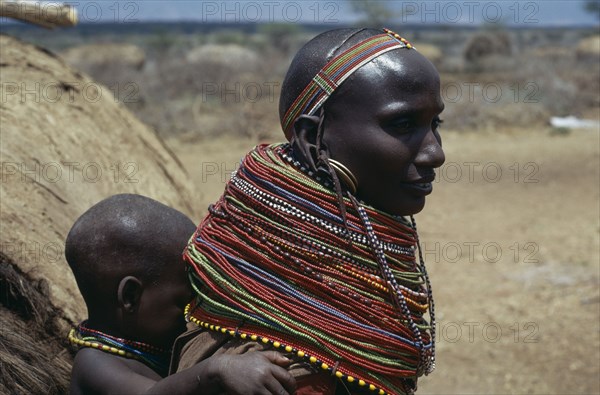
[[256, 373]]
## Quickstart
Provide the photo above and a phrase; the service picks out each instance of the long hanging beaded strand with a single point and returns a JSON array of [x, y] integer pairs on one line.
[[397, 295], [429, 363]]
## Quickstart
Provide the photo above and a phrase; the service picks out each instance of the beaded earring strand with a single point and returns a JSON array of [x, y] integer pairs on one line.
[[154, 357]]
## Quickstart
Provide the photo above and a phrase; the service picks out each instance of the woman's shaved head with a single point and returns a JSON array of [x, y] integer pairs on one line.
[[311, 58]]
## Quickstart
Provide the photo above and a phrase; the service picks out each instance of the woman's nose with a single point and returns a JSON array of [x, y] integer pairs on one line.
[[430, 153]]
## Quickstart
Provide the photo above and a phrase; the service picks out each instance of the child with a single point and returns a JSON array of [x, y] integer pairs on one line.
[[125, 253], [308, 250]]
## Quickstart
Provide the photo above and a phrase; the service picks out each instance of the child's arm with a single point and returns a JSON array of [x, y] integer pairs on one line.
[[96, 372]]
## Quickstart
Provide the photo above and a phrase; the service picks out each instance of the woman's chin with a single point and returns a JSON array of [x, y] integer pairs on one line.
[[407, 206]]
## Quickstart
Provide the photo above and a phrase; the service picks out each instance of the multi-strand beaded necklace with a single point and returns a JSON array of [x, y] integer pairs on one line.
[[274, 262], [155, 358]]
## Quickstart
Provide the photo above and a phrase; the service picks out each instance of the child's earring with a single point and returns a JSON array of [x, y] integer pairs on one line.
[[345, 175]]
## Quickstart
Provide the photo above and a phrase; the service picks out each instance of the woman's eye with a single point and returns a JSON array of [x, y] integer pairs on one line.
[[407, 125], [402, 125]]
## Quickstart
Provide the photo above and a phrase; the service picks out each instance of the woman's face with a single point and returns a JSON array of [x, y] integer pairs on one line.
[[382, 124]]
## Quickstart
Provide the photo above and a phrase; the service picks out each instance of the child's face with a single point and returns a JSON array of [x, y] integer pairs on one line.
[[161, 307], [382, 124]]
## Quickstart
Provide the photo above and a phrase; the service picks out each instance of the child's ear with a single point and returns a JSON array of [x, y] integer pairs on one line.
[[129, 293], [304, 140]]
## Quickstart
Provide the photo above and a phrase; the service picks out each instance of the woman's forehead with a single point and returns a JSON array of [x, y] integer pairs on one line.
[[396, 76], [408, 66]]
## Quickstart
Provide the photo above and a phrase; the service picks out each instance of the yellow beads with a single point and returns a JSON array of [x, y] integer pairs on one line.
[[288, 348], [99, 346], [398, 37]]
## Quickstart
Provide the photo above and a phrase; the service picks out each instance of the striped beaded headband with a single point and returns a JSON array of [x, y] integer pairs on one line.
[[337, 70]]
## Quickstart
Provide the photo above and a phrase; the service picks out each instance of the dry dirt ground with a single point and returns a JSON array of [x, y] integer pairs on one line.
[[511, 239]]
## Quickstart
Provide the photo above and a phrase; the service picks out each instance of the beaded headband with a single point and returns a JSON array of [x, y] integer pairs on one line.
[[337, 70]]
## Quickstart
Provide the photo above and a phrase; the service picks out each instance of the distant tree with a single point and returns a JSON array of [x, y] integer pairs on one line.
[[593, 7], [375, 13]]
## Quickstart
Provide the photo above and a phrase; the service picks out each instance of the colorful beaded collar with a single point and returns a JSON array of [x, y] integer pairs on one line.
[[276, 235]]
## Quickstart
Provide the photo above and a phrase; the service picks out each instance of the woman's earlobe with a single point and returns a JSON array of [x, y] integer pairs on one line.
[[129, 294], [304, 140]]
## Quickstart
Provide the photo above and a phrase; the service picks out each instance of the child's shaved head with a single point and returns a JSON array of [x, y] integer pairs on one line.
[[124, 235]]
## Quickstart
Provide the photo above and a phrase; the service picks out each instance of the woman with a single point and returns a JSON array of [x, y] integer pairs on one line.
[[307, 251]]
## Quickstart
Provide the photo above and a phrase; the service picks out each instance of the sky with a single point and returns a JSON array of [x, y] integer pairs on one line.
[[467, 12]]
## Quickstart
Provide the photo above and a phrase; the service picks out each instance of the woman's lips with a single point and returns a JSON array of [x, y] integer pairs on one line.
[[419, 188]]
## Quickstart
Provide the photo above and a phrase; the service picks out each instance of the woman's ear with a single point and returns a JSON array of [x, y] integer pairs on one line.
[[304, 140], [129, 294]]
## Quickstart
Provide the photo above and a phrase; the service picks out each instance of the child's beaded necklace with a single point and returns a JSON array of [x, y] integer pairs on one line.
[[154, 357]]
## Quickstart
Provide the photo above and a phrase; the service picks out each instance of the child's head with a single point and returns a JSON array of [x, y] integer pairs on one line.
[[381, 122], [126, 255]]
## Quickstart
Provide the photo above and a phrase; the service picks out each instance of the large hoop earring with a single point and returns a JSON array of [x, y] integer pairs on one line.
[[345, 175]]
